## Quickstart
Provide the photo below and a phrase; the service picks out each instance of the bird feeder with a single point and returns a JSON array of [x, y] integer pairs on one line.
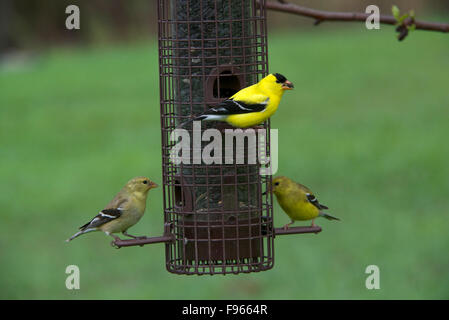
[[218, 217]]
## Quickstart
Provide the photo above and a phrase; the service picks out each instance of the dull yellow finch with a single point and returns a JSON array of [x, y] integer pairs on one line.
[[251, 105], [124, 211], [298, 201]]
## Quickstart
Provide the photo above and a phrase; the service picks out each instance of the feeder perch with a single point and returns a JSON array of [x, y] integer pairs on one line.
[[218, 217]]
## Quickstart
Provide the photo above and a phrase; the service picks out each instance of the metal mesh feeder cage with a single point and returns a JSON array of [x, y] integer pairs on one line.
[[218, 215], [208, 51]]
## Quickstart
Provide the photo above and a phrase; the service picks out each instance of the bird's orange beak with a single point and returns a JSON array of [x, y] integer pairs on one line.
[[287, 85], [153, 185]]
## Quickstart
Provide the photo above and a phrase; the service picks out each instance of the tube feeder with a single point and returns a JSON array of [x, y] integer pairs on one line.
[[218, 218]]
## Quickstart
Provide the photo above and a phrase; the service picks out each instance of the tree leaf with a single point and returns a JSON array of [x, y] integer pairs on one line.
[[395, 11], [403, 17]]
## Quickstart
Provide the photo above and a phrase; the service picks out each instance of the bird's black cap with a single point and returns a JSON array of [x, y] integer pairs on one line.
[[280, 78]]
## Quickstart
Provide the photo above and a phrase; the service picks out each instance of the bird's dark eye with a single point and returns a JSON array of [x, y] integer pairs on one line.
[[145, 182], [276, 183]]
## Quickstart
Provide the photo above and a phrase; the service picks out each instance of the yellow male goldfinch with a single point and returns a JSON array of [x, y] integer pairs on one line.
[[251, 105], [298, 201], [124, 211]]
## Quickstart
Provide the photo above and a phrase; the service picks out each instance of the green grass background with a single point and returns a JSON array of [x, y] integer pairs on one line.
[[366, 128]]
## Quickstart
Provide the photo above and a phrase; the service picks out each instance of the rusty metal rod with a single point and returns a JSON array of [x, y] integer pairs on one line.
[[171, 237], [141, 242], [296, 230]]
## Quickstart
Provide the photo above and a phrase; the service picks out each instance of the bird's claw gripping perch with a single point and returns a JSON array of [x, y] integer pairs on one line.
[[114, 245]]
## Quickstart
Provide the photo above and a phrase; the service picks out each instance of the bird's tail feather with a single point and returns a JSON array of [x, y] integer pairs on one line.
[[80, 233], [205, 117], [328, 216]]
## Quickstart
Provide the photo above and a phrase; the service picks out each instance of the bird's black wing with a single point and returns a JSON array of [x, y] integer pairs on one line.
[[102, 217], [313, 200], [231, 106]]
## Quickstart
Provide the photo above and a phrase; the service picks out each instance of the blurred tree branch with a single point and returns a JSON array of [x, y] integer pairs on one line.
[[320, 16]]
